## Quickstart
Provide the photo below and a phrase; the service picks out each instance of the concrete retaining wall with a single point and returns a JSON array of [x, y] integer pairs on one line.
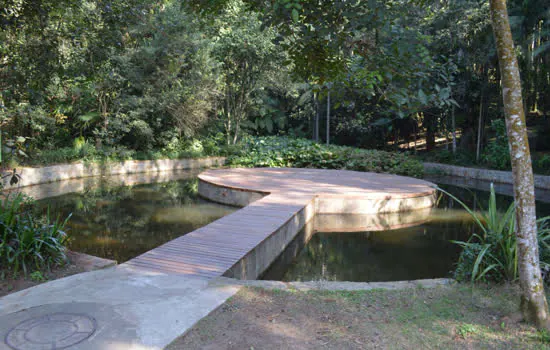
[[256, 262], [363, 206], [498, 176], [35, 176], [229, 196], [59, 188]]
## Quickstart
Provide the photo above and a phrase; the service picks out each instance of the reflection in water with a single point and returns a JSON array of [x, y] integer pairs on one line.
[[422, 251], [120, 223], [409, 252]]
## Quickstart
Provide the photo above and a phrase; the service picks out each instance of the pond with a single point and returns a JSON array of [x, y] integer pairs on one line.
[[416, 252], [122, 222]]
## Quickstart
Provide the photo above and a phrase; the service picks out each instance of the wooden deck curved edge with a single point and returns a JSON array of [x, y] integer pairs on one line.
[[278, 203]]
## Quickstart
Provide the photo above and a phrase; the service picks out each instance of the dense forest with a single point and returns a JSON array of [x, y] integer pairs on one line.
[[141, 79]]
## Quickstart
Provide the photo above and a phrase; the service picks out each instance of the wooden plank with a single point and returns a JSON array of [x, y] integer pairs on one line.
[[177, 266], [200, 251], [167, 269], [189, 256], [209, 243]]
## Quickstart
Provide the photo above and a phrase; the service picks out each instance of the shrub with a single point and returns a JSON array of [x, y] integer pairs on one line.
[[462, 157], [491, 254], [541, 165], [497, 152], [300, 153], [27, 242]]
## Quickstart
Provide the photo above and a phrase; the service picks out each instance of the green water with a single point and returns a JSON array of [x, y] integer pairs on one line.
[[120, 223], [418, 252]]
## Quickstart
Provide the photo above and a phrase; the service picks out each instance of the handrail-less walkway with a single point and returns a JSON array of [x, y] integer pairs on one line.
[[148, 301], [287, 194]]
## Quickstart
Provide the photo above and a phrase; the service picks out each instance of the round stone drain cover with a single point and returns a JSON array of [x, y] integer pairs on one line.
[[53, 331]]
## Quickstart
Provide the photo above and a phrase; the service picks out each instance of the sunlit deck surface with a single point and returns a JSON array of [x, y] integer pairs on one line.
[[214, 249]]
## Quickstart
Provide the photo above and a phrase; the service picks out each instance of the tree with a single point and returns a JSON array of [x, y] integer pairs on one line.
[[248, 55], [533, 299]]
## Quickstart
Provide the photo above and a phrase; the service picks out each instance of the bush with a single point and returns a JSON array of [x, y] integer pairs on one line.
[[491, 254], [541, 165], [497, 152], [27, 242], [300, 153], [176, 148], [461, 157]]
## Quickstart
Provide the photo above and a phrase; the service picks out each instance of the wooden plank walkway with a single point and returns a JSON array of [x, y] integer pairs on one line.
[[212, 250]]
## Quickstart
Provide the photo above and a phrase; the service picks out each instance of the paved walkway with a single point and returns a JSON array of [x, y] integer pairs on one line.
[[150, 300]]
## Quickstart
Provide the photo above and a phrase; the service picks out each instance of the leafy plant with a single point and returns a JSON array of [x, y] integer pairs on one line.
[[466, 329], [542, 165], [491, 254], [301, 153], [27, 242], [497, 153], [37, 276]]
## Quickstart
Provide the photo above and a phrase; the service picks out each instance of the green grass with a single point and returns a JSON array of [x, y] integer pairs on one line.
[[456, 317]]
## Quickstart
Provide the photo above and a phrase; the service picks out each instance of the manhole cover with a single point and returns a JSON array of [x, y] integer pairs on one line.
[[53, 331]]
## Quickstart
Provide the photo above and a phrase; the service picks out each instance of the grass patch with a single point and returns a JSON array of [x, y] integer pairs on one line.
[[457, 317]]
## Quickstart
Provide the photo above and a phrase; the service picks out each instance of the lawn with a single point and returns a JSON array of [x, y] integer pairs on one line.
[[455, 317]]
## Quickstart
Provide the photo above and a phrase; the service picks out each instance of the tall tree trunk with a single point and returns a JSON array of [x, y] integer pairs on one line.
[[479, 126], [328, 118], [453, 127], [236, 134], [430, 121], [444, 116], [314, 116], [228, 116], [317, 117], [533, 299], [415, 133], [453, 118]]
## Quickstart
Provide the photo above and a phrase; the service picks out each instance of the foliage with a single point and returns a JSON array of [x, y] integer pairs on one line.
[[248, 57], [134, 73], [27, 242], [491, 254], [37, 276], [497, 153], [176, 149], [541, 165], [466, 329], [301, 153], [462, 158], [135, 77]]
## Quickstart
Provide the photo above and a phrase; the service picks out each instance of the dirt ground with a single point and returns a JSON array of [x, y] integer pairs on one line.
[[11, 284], [457, 317], [76, 263]]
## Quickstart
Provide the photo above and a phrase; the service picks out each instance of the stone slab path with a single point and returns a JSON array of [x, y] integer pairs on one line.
[[150, 300]]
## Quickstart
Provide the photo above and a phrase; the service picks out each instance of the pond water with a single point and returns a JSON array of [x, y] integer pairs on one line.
[[122, 222], [416, 252]]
